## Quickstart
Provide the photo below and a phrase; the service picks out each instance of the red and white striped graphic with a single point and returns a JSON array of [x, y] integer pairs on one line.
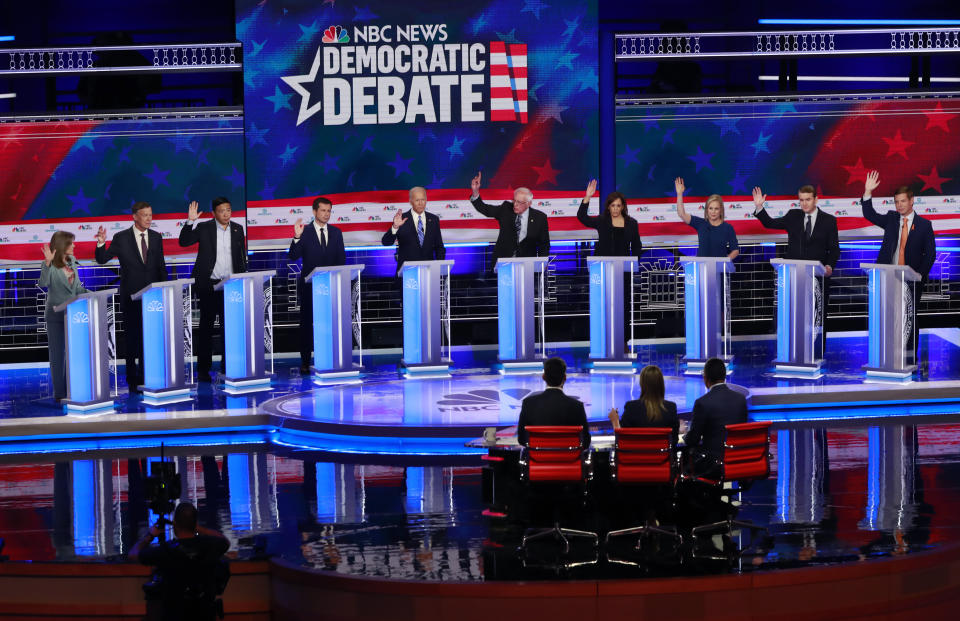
[[508, 82]]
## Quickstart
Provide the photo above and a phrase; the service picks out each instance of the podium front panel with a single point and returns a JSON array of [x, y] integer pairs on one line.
[[332, 339], [156, 337], [515, 306], [606, 307], [78, 334], [236, 326], [421, 314], [799, 313], [706, 294]]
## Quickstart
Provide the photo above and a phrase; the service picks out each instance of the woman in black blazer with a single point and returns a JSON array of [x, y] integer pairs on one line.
[[651, 409], [618, 235]]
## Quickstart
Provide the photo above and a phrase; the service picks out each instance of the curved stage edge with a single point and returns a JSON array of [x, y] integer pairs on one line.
[[923, 585]]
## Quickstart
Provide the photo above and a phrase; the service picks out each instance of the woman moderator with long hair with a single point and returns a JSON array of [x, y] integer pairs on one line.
[[58, 273], [618, 235], [651, 409], [716, 237]]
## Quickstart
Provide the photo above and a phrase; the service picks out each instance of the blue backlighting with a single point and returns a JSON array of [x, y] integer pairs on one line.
[[7, 38], [858, 22]]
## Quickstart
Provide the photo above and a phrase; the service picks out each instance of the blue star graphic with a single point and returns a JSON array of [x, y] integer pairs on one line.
[[85, 142], [701, 159], [330, 163], [287, 154], [279, 100], [668, 136], [508, 37], [367, 144], [761, 144], [423, 134], [350, 178], [248, 75], [783, 108], [572, 26], [159, 177], [739, 182], [186, 194], [532, 91], [566, 60], [106, 192], [308, 32], [534, 6], [255, 136], [181, 143], [479, 22], [437, 181], [257, 47], [202, 157], [124, 155], [79, 202], [651, 122], [244, 25], [589, 81], [629, 156], [362, 14], [267, 192], [455, 149], [235, 178], [400, 165], [727, 124], [650, 172]]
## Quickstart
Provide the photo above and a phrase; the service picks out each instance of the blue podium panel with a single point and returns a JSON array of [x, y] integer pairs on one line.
[[707, 306], [244, 334], [332, 293], [799, 315], [164, 372], [87, 350], [423, 314], [236, 326], [892, 317], [606, 307], [516, 308]]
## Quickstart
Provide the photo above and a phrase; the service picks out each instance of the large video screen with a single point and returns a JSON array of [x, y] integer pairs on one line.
[[361, 103], [729, 149]]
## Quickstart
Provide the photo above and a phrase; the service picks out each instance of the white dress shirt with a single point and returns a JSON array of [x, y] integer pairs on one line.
[[223, 268]]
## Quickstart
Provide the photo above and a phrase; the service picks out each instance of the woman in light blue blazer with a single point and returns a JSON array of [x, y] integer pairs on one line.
[[58, 273]]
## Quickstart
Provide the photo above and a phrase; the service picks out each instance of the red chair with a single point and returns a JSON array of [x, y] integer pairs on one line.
[[555, 455], [644, 458], [746, 458]]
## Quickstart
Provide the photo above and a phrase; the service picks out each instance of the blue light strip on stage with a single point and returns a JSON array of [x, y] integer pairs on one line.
[[507, 311], [7, 38], [154, 339], [78, 333], [412, 279], [235, 330], [783, 473], [238, 469], [858, 22], [321, 288], [84, 507]]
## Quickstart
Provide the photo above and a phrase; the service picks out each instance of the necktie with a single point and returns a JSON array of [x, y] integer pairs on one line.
[[420, 229], [323, 239], [808, 228], [901, 260], [516, 226], [143, 247]]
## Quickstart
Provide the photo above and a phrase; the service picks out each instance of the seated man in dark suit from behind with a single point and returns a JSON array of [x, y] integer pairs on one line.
[[552, 407], [721, 406]]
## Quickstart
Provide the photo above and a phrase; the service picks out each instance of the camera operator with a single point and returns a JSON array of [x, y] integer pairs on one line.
[[190, 571]]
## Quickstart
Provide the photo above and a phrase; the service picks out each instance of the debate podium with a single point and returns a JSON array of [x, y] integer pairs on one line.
[[88, 348], [892, 320], [167, 341], [245, 327], [516, 307], [706, 289], [607, 339], [423, 316], [800, 320], [332, 291]]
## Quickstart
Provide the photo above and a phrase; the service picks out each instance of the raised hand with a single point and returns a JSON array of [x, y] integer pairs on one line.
[[614, 417], [298, 228], [759, 198], [101, 235], [193, 211], [475, 184], [398, 219], [47, 253], [872, 182], [591, 188], [678, 184]]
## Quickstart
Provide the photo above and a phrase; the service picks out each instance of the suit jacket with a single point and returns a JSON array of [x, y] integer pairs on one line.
[[408, 244], [921, 250], [535, 244], [824, 242], [604, 224], [308, 249], [552, 407], [721, 406], [635, 415], [205, 234], [134, 273]]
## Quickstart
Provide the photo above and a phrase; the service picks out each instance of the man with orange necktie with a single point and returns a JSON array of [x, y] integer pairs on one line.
[[908, 238]]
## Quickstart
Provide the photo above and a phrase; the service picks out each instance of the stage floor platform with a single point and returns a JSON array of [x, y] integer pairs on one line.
[[385, 413]]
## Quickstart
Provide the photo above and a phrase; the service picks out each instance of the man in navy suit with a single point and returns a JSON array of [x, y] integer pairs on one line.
[[552, 407], [721, 406], [319, 245], [416, 232], [139, 250], [523, 230], [222, 252], [908, 238]]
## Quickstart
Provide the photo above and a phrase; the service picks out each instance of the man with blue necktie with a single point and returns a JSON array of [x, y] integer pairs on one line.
[[319, 245], [416, 232], [908, 238]]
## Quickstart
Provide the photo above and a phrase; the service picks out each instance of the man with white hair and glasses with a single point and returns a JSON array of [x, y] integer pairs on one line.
[[523, 230]]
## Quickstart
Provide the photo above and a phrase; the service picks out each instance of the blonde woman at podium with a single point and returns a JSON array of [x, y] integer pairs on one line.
[[716, 237], [58, 273]]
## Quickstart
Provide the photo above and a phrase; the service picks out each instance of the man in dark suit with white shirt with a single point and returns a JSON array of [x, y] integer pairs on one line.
[[318, 244], [712, 412], [416, 232], [552, 407], [222, 252], [140, 253], [523, 230]]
